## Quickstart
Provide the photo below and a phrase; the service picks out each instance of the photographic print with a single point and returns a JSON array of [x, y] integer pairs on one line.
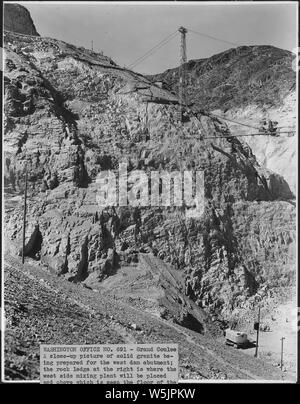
[[149, 181]]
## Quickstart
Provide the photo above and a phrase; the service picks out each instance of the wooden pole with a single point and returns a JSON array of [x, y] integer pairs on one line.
[[24, 216], [281, 357], [257, 334]]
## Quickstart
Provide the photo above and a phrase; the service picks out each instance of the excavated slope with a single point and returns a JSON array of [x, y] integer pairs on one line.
[[248, 84], [71, 113]]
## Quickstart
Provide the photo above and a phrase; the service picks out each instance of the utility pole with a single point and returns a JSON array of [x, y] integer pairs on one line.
[[24, 216], [92, 45], [281, 357], [182, 78], [256, 327]]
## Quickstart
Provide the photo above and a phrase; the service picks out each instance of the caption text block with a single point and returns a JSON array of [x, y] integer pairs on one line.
[[104, 364]]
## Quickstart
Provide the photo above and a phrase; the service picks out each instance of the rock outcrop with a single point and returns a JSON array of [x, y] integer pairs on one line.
[[18, 19], [71, 113], [248, 84], [153, 286], [277, 153]]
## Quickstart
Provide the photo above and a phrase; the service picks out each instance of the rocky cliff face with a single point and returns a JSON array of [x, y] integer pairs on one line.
[[248, 84], [71, 113], [17, 19], [278, 154]]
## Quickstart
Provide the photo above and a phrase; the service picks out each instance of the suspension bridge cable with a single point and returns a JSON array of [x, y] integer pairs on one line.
[[163, 42], [150, 54], [213, 37], [153, 49], [243, 124]]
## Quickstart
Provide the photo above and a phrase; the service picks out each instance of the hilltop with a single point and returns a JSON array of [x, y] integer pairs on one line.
[[248, 84]]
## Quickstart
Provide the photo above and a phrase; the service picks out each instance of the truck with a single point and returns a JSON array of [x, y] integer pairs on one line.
[[237, 339]]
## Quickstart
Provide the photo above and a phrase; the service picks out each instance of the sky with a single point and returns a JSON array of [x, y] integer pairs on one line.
[[125, 32]]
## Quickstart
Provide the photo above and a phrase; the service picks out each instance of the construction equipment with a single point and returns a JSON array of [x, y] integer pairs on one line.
[[236, 339], [269, 128], [263, 126], [272, 128]]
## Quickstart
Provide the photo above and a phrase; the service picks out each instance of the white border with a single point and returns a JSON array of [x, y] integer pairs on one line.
[[140, 3]]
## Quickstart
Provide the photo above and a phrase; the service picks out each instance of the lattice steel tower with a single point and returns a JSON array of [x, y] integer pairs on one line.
[[182, 78]]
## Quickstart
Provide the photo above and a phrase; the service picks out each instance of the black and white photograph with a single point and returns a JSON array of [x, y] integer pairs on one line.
[[149, 192]]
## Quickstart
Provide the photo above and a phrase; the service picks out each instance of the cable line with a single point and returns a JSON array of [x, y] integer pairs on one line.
[[231, 120], [153, 49], [244, 124], [247, 134], [251, 134], [214, 38]]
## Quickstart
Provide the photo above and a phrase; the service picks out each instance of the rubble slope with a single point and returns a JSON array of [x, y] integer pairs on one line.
[[73, 314]]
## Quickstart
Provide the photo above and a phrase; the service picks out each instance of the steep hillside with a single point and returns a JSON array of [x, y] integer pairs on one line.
[[248, 84], [260, 75], [278, 154], [18, 19], [43, 309], [71, 113]]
